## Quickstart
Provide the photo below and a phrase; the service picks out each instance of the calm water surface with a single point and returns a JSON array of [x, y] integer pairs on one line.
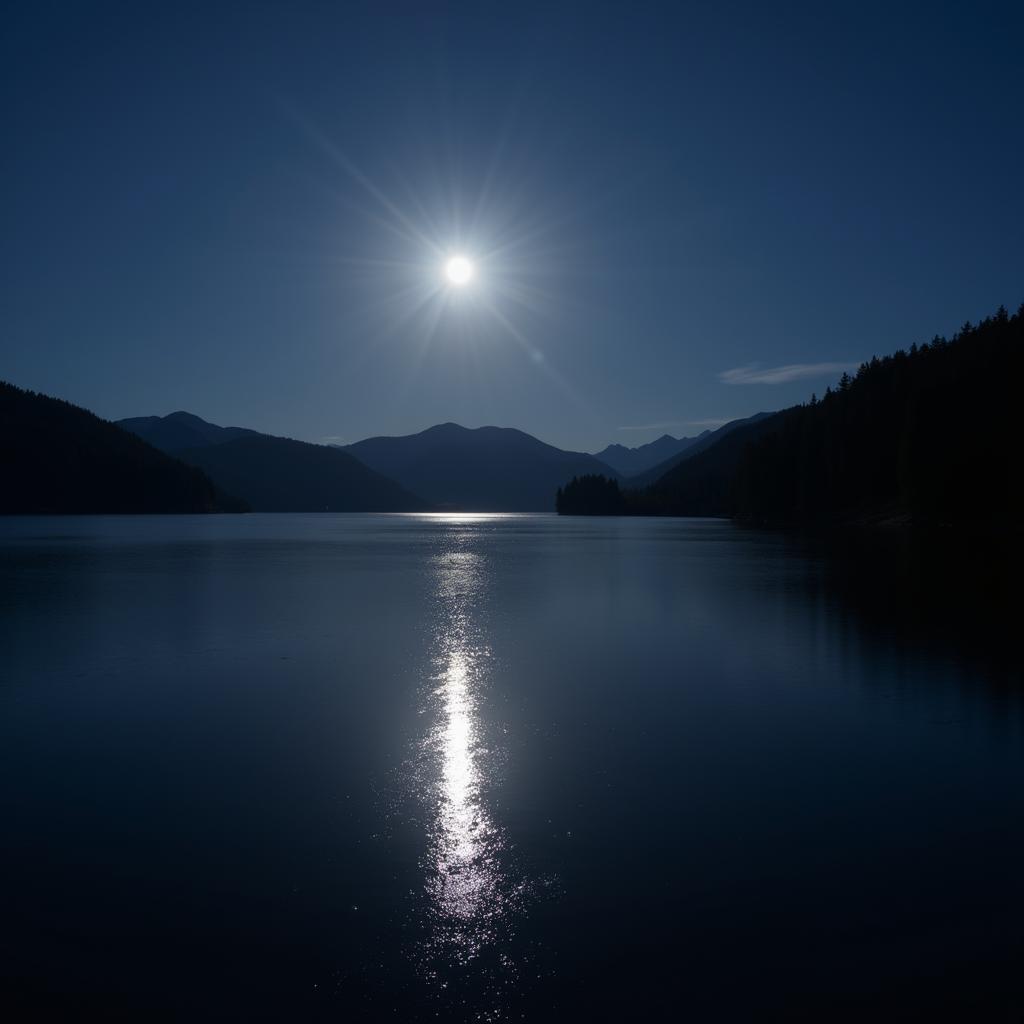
[[504, 768]]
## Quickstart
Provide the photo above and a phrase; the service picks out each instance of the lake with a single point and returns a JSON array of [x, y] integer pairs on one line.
[[503, 767]]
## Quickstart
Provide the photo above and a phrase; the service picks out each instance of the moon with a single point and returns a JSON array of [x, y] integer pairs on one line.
[[459, 271]]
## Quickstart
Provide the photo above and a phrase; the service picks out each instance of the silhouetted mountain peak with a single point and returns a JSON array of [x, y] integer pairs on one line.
[[487, 431], [629, 461], [180, 430], [480, 469], [687, 448]]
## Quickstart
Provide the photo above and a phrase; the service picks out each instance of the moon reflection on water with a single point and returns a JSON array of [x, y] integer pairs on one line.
[[472, 893]]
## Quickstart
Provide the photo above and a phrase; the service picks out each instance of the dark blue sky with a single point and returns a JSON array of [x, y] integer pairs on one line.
[[242, 210]]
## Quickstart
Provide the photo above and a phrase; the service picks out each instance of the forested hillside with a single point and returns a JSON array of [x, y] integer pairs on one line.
[[932, 434], [58, 458]]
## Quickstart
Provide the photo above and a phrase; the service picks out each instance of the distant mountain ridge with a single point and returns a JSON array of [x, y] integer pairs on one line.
[[698, 445], [497, 469], [487, 469], [180, 430], [630, 461], [57, 458], [275, 474]]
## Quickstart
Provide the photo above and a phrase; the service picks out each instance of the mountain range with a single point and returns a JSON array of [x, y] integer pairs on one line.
[[181, 462], [630, 461], [707, 440], [885, 443], [445, 467]]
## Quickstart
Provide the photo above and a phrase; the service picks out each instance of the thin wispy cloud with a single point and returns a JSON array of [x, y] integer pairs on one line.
[[707, 424], [754, 373], [664, 425]]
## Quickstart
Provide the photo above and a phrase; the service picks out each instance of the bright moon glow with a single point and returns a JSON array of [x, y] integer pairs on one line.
[[459, 271]]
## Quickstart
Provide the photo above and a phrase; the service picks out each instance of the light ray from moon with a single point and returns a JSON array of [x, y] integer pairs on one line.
[[441, 287]]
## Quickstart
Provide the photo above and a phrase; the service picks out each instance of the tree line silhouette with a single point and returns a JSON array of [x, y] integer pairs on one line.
[[932, 434], [58, 458]]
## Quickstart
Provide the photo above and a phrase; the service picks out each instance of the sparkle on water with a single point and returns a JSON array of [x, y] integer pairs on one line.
[[471, 891], [463, 877], [463, 881]]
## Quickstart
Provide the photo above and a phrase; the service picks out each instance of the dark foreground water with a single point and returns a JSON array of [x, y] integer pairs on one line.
[[509, 767]]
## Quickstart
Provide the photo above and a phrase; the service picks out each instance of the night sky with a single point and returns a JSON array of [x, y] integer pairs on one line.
[[244, 210]]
